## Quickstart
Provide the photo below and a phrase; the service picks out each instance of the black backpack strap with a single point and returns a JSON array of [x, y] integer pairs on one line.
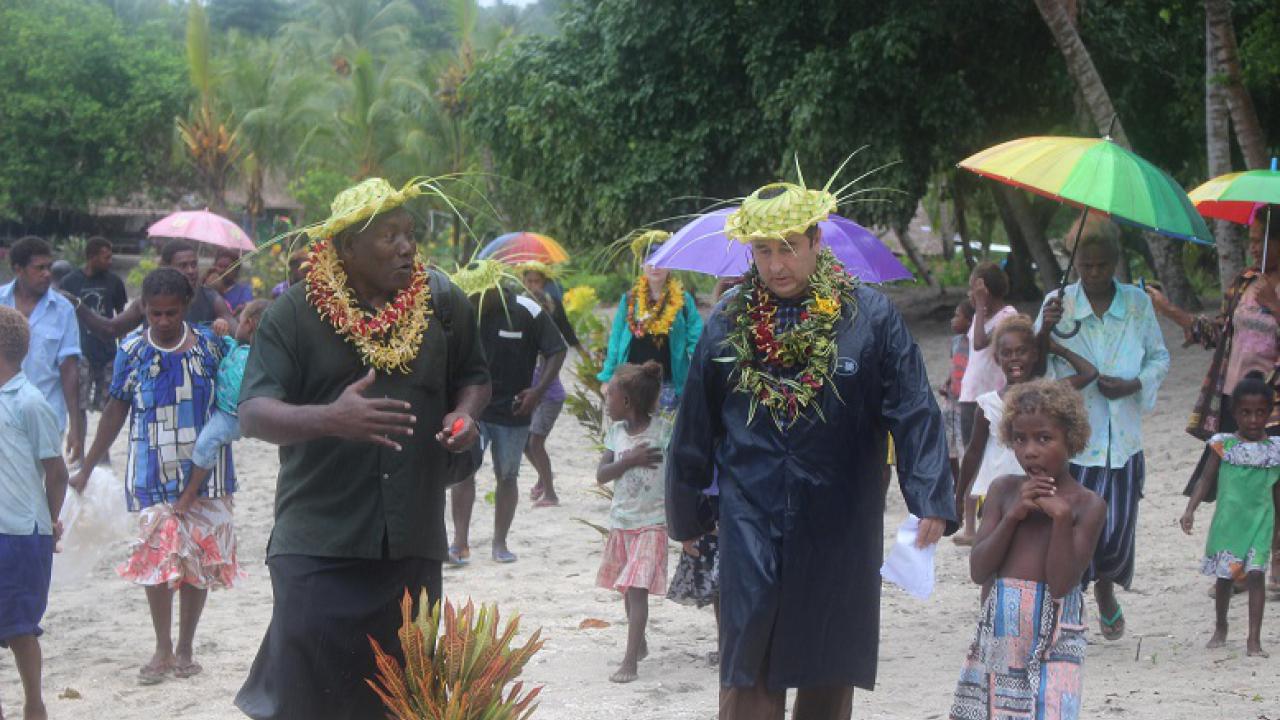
[[441, 299]]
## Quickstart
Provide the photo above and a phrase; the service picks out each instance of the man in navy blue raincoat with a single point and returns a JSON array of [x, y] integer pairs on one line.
[[798, 379]]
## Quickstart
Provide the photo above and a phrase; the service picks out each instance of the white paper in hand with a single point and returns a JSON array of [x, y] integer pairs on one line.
[[94, 525], [908, 566]]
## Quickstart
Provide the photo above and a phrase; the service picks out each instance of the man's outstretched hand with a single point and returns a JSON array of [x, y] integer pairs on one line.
[[373, 420]]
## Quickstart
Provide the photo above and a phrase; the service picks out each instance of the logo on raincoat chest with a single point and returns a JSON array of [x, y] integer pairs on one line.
[[846, 366]]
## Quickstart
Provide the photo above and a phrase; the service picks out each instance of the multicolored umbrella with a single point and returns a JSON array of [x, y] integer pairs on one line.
[[204, 227], [701, 246], [522, 247], [1096, 175], [1237, 197]]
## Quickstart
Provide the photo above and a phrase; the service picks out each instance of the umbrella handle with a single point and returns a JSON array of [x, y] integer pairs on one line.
[[1066, 274]]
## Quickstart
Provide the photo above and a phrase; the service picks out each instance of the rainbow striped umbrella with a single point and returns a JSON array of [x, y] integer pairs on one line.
[[1238, 196], [1096, 175], [522, 247]]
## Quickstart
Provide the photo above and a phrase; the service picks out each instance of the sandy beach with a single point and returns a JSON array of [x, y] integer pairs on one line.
[[98, 631]]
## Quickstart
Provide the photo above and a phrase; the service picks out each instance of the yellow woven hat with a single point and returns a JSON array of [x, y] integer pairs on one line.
[[480, 276], [537, 266], [778, 210], [643, 244], [365, 200]]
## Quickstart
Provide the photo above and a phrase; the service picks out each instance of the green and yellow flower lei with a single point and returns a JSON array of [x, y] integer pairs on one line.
[[785, 372]]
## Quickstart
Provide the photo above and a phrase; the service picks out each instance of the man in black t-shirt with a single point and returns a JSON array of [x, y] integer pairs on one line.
[[514, 331], [102, 291]]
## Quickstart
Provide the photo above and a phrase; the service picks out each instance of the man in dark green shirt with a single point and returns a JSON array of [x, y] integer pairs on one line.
[[368, 427]]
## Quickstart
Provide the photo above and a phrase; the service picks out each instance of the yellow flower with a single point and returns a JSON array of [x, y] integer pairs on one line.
[[276, 249], [256, 283], [823, 305], [580, 299]]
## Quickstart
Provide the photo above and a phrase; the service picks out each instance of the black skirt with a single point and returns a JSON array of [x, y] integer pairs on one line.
[[316, 656]]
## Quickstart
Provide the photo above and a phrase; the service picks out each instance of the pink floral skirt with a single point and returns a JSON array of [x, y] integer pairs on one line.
[[635, 559], [197, 549]]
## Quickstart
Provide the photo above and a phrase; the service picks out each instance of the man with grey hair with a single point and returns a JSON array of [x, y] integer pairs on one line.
[[1114, 327]]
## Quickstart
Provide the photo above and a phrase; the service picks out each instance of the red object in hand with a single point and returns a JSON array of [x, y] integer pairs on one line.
[[457, 426]]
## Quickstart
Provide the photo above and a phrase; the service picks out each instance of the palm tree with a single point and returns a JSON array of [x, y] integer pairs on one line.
[[1217, 126], [1166, 253], [271, 106], [1253, 142], [210, 145], [335, 31]]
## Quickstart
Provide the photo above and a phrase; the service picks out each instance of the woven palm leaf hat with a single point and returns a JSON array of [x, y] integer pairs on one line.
[[777, 210], [645, 243], [369, 198], [538, 266]]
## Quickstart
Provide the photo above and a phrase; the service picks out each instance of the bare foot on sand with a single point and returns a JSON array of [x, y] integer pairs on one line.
[[627, 673], [34, 711], [1219, 638], [1254, 648], [155, 671]]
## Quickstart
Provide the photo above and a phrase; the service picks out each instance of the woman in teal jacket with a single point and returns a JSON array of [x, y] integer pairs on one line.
[[656, 320]]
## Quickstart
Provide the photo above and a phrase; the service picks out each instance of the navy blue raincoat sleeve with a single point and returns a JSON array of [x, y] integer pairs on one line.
[[913, 418], [690, 458]]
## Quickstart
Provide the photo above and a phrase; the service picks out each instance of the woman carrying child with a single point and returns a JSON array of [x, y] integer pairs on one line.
[[1018, 355], [635, 555], [1242, 468], [1037, 536], [164, 384]]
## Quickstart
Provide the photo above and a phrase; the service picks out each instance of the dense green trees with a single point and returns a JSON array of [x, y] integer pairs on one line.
[[81, 103]]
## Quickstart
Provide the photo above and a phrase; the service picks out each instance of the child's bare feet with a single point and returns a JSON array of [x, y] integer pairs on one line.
[[34, 711], [626, 673], [185, 666], [155, 671], [1254, 648], [1219, 638]]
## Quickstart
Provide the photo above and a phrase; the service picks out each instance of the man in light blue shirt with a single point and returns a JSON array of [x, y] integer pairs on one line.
[[1114, 327], [55, 336]]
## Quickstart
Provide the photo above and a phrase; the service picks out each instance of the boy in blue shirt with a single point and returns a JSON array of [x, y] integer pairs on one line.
[[33, 482]]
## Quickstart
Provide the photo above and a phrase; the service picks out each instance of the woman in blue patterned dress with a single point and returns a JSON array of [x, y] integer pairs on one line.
[[163, 382]]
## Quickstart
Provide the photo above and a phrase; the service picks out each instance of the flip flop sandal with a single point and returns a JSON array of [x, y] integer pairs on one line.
[[459, 555], [536, 492], [504, 556], [186, 670], [1112, 629], [547, 502]]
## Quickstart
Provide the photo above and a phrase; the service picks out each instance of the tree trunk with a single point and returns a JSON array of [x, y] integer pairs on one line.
[[1022, 283], [1082, 69], [946, 219], [962, 224], [1253, 143], [1085, 75], [1228, 243], [909, 247], [1016, 208]]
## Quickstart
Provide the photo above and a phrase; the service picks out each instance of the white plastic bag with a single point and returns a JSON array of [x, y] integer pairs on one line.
[[95, 525], [908, 566]]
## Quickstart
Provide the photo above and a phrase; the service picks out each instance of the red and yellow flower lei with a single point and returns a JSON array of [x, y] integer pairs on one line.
[[654, 320], [387, 340], [785, 372]]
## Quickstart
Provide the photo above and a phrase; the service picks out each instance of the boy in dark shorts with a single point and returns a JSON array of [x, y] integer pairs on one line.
[[33, 481]]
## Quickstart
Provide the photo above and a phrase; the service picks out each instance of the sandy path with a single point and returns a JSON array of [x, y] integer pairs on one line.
[[98, 633]]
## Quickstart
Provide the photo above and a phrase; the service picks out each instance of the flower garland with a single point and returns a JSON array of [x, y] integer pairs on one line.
[[655, 321], [786, 371], [387, 340]]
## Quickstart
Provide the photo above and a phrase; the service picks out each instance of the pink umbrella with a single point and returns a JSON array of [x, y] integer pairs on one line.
[[202, 226]]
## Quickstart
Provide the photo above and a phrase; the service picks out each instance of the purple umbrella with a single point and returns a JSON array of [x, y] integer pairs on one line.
[[702, 247]]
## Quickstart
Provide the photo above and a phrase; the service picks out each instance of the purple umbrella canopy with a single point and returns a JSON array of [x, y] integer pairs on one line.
[[702, 247]]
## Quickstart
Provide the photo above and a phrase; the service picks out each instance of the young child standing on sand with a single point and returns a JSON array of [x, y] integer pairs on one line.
[[33, 481], [987, 457], [1243, 468], [1037, 537], [635, 555], [223, 427]]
